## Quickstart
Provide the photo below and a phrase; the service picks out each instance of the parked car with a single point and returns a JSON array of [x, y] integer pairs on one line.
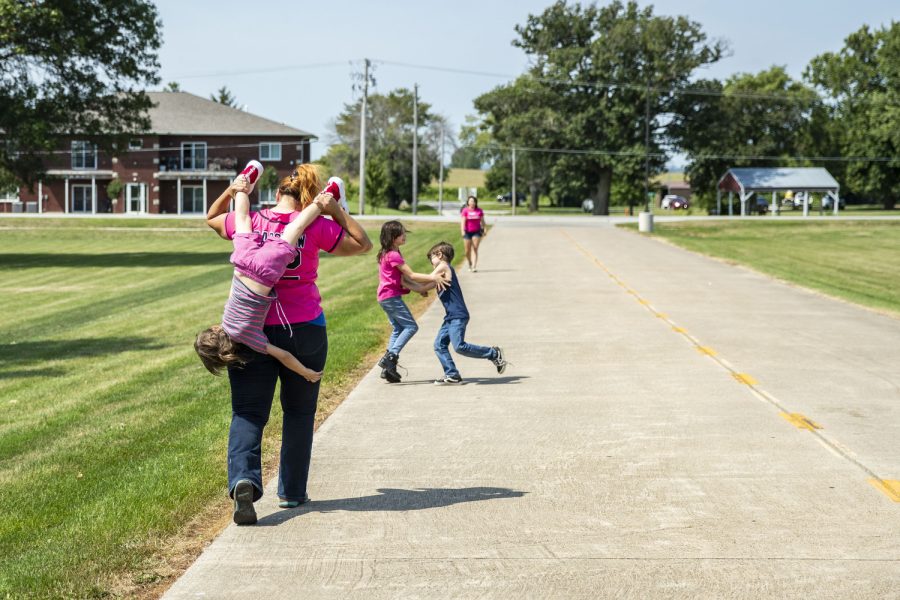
[[760, 205], [520, 198], [587, 205], [828, 203], [674, 202]]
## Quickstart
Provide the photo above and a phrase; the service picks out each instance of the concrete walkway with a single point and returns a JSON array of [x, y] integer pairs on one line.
[[654, 439]]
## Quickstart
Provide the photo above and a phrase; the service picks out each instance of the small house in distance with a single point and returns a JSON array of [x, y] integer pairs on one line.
[[194, 149]]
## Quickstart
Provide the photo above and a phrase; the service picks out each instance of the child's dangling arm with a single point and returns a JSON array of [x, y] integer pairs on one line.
[[291, 362]]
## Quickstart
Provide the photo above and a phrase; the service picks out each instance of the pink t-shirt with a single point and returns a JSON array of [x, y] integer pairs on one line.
[[390, 279], [473, 218], [297, 291]]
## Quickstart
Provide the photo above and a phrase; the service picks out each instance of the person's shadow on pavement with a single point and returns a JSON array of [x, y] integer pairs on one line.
[[390, 499]]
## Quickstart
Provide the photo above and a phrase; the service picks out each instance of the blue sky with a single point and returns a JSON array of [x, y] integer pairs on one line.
[[209, 44]]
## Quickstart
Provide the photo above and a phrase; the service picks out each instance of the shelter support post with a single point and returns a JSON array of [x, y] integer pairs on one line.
[[774, 203], [718, 202], [805, 204], [730, 204]]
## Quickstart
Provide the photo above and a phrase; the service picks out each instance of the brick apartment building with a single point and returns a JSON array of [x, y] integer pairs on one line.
[[195, 149]]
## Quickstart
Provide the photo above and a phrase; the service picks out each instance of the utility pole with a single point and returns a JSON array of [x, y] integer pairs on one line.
[[647, 148], [512, 198], [415, 162], [441, 176], [362, 141], [645, 219]]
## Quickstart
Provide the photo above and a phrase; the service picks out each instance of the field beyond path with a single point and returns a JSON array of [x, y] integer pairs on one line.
[[671, 427]]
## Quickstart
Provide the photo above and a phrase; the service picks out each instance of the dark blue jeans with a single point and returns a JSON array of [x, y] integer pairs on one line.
[[454, 331], [252, 392]]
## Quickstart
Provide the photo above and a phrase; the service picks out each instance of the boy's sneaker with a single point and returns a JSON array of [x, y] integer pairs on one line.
[[499, 361], [448, 380], [390, 376], [251, 173], [244, 513]]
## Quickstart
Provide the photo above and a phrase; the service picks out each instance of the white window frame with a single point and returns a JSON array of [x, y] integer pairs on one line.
[[268, 155], [80, 154], [88, 198], [193, 156], [193, 189]]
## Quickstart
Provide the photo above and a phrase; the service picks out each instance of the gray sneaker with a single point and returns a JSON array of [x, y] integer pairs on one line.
[[244, 513], [448, 380], [500, 360]]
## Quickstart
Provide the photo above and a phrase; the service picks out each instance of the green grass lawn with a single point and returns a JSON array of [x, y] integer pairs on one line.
[[858, 261], [112, 435]]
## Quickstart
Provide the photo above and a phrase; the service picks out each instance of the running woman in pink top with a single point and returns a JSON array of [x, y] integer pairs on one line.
[[473, 230], [258, 265], [395, 279], [253, 385]]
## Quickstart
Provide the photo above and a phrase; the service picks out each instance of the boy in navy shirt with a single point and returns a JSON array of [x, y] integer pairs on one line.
[[453, 330]]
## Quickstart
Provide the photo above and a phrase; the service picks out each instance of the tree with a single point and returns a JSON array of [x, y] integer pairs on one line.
[[646, 58], [862, 82], [389, 132], [522, 114], [73, 67], [738, 123], [173, 86], [224, 96]]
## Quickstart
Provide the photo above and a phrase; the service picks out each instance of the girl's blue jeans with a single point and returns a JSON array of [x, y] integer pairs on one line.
[[401, 320]]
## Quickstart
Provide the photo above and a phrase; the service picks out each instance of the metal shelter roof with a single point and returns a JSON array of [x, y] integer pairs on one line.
[[778, 179]]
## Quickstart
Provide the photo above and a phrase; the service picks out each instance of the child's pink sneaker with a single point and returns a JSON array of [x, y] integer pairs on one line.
[[341, 195], [252, 172]]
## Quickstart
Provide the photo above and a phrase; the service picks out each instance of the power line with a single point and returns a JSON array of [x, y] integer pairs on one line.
[[258, 71]]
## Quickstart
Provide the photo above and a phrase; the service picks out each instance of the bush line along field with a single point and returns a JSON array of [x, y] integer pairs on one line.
[[112, 434], [857, 261]]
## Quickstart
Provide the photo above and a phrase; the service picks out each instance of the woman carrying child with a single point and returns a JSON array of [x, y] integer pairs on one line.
[[305, 337], [395, 279]]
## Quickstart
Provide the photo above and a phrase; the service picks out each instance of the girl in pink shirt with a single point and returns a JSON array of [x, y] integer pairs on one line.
[[395, 279], [473, 230]]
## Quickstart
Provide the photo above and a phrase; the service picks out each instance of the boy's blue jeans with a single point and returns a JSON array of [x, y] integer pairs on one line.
[[401, 320], [454, 331]]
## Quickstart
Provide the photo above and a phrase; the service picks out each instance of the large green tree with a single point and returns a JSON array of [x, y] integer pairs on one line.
[[752, 120], [601, 69], [72, 66], [389, 141], [862, 82]]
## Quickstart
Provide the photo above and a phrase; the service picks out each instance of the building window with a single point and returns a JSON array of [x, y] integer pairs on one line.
[[192, 199], [193, 156], [81, 198], [9, 195], [84, 155], [135, 144], [267, 197], [270, 151]]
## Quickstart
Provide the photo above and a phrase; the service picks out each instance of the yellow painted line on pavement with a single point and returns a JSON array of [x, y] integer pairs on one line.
[[642, 301], [799, 421], [890, 487], [744, 378]]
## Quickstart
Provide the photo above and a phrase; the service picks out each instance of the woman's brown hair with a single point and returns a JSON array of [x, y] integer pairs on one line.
[[217, 351], [303, 184]]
